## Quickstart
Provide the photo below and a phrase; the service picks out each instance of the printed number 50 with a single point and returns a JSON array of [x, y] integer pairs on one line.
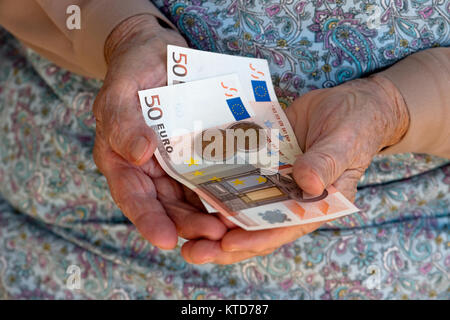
[[153, 108], [178, 68]]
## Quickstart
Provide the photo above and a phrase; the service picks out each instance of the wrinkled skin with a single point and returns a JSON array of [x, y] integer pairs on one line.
[[340, 129], [160, 207]]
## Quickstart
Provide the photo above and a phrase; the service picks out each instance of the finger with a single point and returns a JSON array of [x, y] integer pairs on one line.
[[227, 222], [192, 198], [206, 251], [323, 162], [261, 240], [134, 193], [190, 222], [119, 115], [347, 183], [168, 189]]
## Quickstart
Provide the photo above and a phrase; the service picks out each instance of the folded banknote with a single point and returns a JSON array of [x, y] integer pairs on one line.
[[222, 133]]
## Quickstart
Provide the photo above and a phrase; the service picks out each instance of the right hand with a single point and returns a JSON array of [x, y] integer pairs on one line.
[[340, 129], [159, 206]]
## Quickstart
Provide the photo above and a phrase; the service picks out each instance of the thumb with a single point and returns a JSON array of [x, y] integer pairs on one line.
[[321, 165], [120, 120], [133, 140]]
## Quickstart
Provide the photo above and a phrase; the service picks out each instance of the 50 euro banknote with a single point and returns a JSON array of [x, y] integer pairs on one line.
[[249, 181], [185, 65]]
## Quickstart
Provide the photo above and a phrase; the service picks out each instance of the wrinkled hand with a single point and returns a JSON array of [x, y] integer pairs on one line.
[[340, 129], [159, 206]]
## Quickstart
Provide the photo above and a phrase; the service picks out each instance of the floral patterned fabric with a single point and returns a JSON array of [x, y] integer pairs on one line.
[[57, 211]]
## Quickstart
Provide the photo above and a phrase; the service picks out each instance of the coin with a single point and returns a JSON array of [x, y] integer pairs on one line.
[[212, 148], [242, 138]]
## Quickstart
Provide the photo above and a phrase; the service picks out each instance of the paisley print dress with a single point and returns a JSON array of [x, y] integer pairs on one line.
[[56, 210]]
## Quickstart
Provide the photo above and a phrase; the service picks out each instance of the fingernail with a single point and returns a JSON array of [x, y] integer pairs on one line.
[[312, 188], [139, 148]]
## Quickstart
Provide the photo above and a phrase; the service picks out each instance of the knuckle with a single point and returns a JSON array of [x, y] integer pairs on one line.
[[98, 155], [184, 232], [98, 106], [111, 96], [356, 174], [121, 137], [327, 163], [114, 134]]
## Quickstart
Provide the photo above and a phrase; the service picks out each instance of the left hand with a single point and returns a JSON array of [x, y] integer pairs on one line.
[[160, 207], [340, 129]]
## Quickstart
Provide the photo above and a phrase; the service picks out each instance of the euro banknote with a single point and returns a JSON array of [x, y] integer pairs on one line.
[[253, 73], [225, 137]]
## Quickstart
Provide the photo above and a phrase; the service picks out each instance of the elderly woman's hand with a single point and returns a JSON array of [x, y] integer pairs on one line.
[[340, 129], [160, 207]]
